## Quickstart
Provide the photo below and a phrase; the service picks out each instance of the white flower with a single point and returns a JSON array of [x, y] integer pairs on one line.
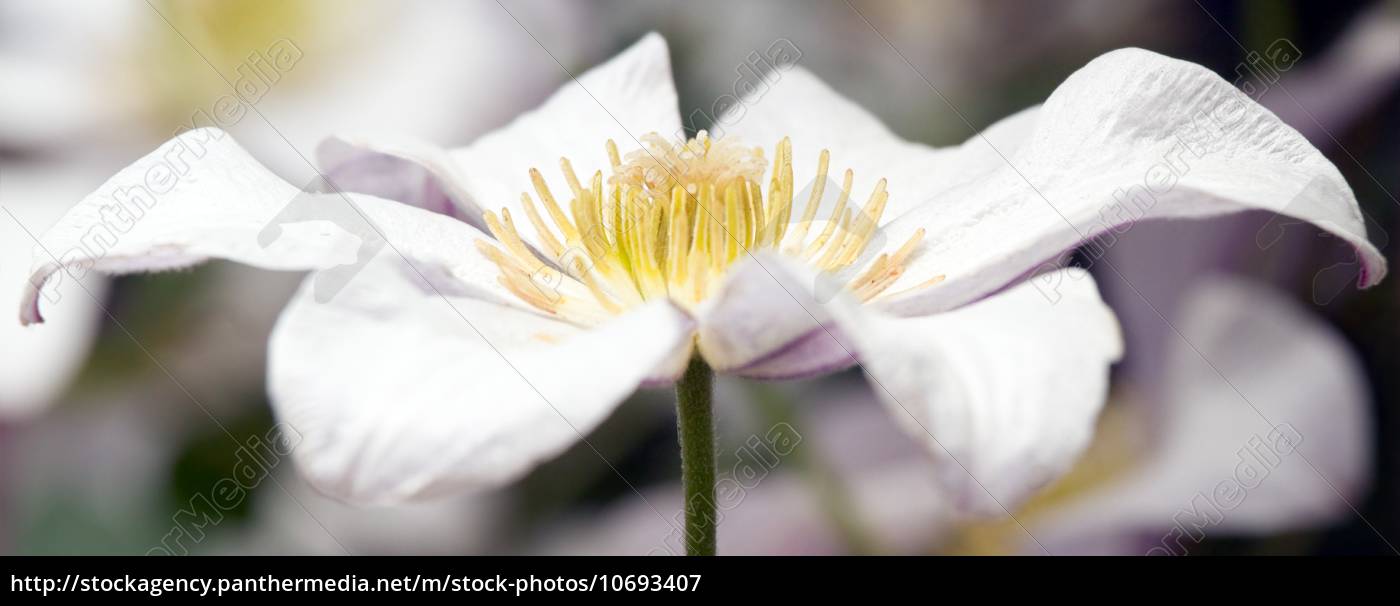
[[442, 364]]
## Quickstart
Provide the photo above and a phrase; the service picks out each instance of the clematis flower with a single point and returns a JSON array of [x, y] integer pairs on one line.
[[514, 305]]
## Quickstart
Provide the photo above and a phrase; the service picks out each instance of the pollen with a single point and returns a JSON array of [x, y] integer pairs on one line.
[[670, 219]]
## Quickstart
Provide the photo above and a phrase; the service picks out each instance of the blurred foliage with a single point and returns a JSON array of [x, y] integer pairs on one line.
[[211, 454], [154, 310]]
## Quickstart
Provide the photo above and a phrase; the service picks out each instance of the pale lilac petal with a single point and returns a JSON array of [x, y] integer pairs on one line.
[[814, 353], [412, 172], [1356, 73], [1281, 443]]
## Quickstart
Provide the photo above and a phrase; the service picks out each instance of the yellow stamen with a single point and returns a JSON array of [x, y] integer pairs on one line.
[[836, 214], [670, 220], [813, 202]]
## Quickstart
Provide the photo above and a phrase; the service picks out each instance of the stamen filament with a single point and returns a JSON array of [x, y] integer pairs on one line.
[[671, 219]]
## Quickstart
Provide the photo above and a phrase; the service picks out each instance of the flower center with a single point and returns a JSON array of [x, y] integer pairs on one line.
[[669, 222]]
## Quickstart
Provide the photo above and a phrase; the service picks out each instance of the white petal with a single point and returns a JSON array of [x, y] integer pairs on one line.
[[1004, 392], [1009, 386], [39, 361], [200, 196], [629, 96], [1128, 121], [1219, 459], [799, 105], [397, 396], [767, 322]]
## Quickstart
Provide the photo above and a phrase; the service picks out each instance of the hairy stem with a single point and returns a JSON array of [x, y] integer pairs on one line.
[[695, 424]]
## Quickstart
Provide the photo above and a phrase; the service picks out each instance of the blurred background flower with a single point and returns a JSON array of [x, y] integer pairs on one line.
[[115, 431]]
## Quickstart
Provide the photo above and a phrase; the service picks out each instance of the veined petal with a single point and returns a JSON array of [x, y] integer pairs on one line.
[[629, 96], [398, 392], [1004, 392], [801, 106], [1288, 450], [201, 196], [1131, 136]]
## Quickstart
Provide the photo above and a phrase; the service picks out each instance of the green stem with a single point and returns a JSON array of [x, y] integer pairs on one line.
[[695, 424]]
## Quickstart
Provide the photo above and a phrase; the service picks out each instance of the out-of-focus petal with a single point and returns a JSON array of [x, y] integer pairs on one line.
[[56, 71], [413, 68], [291, 518], [39, 361], [777, 516], [1282, 442], [1355, 74]]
